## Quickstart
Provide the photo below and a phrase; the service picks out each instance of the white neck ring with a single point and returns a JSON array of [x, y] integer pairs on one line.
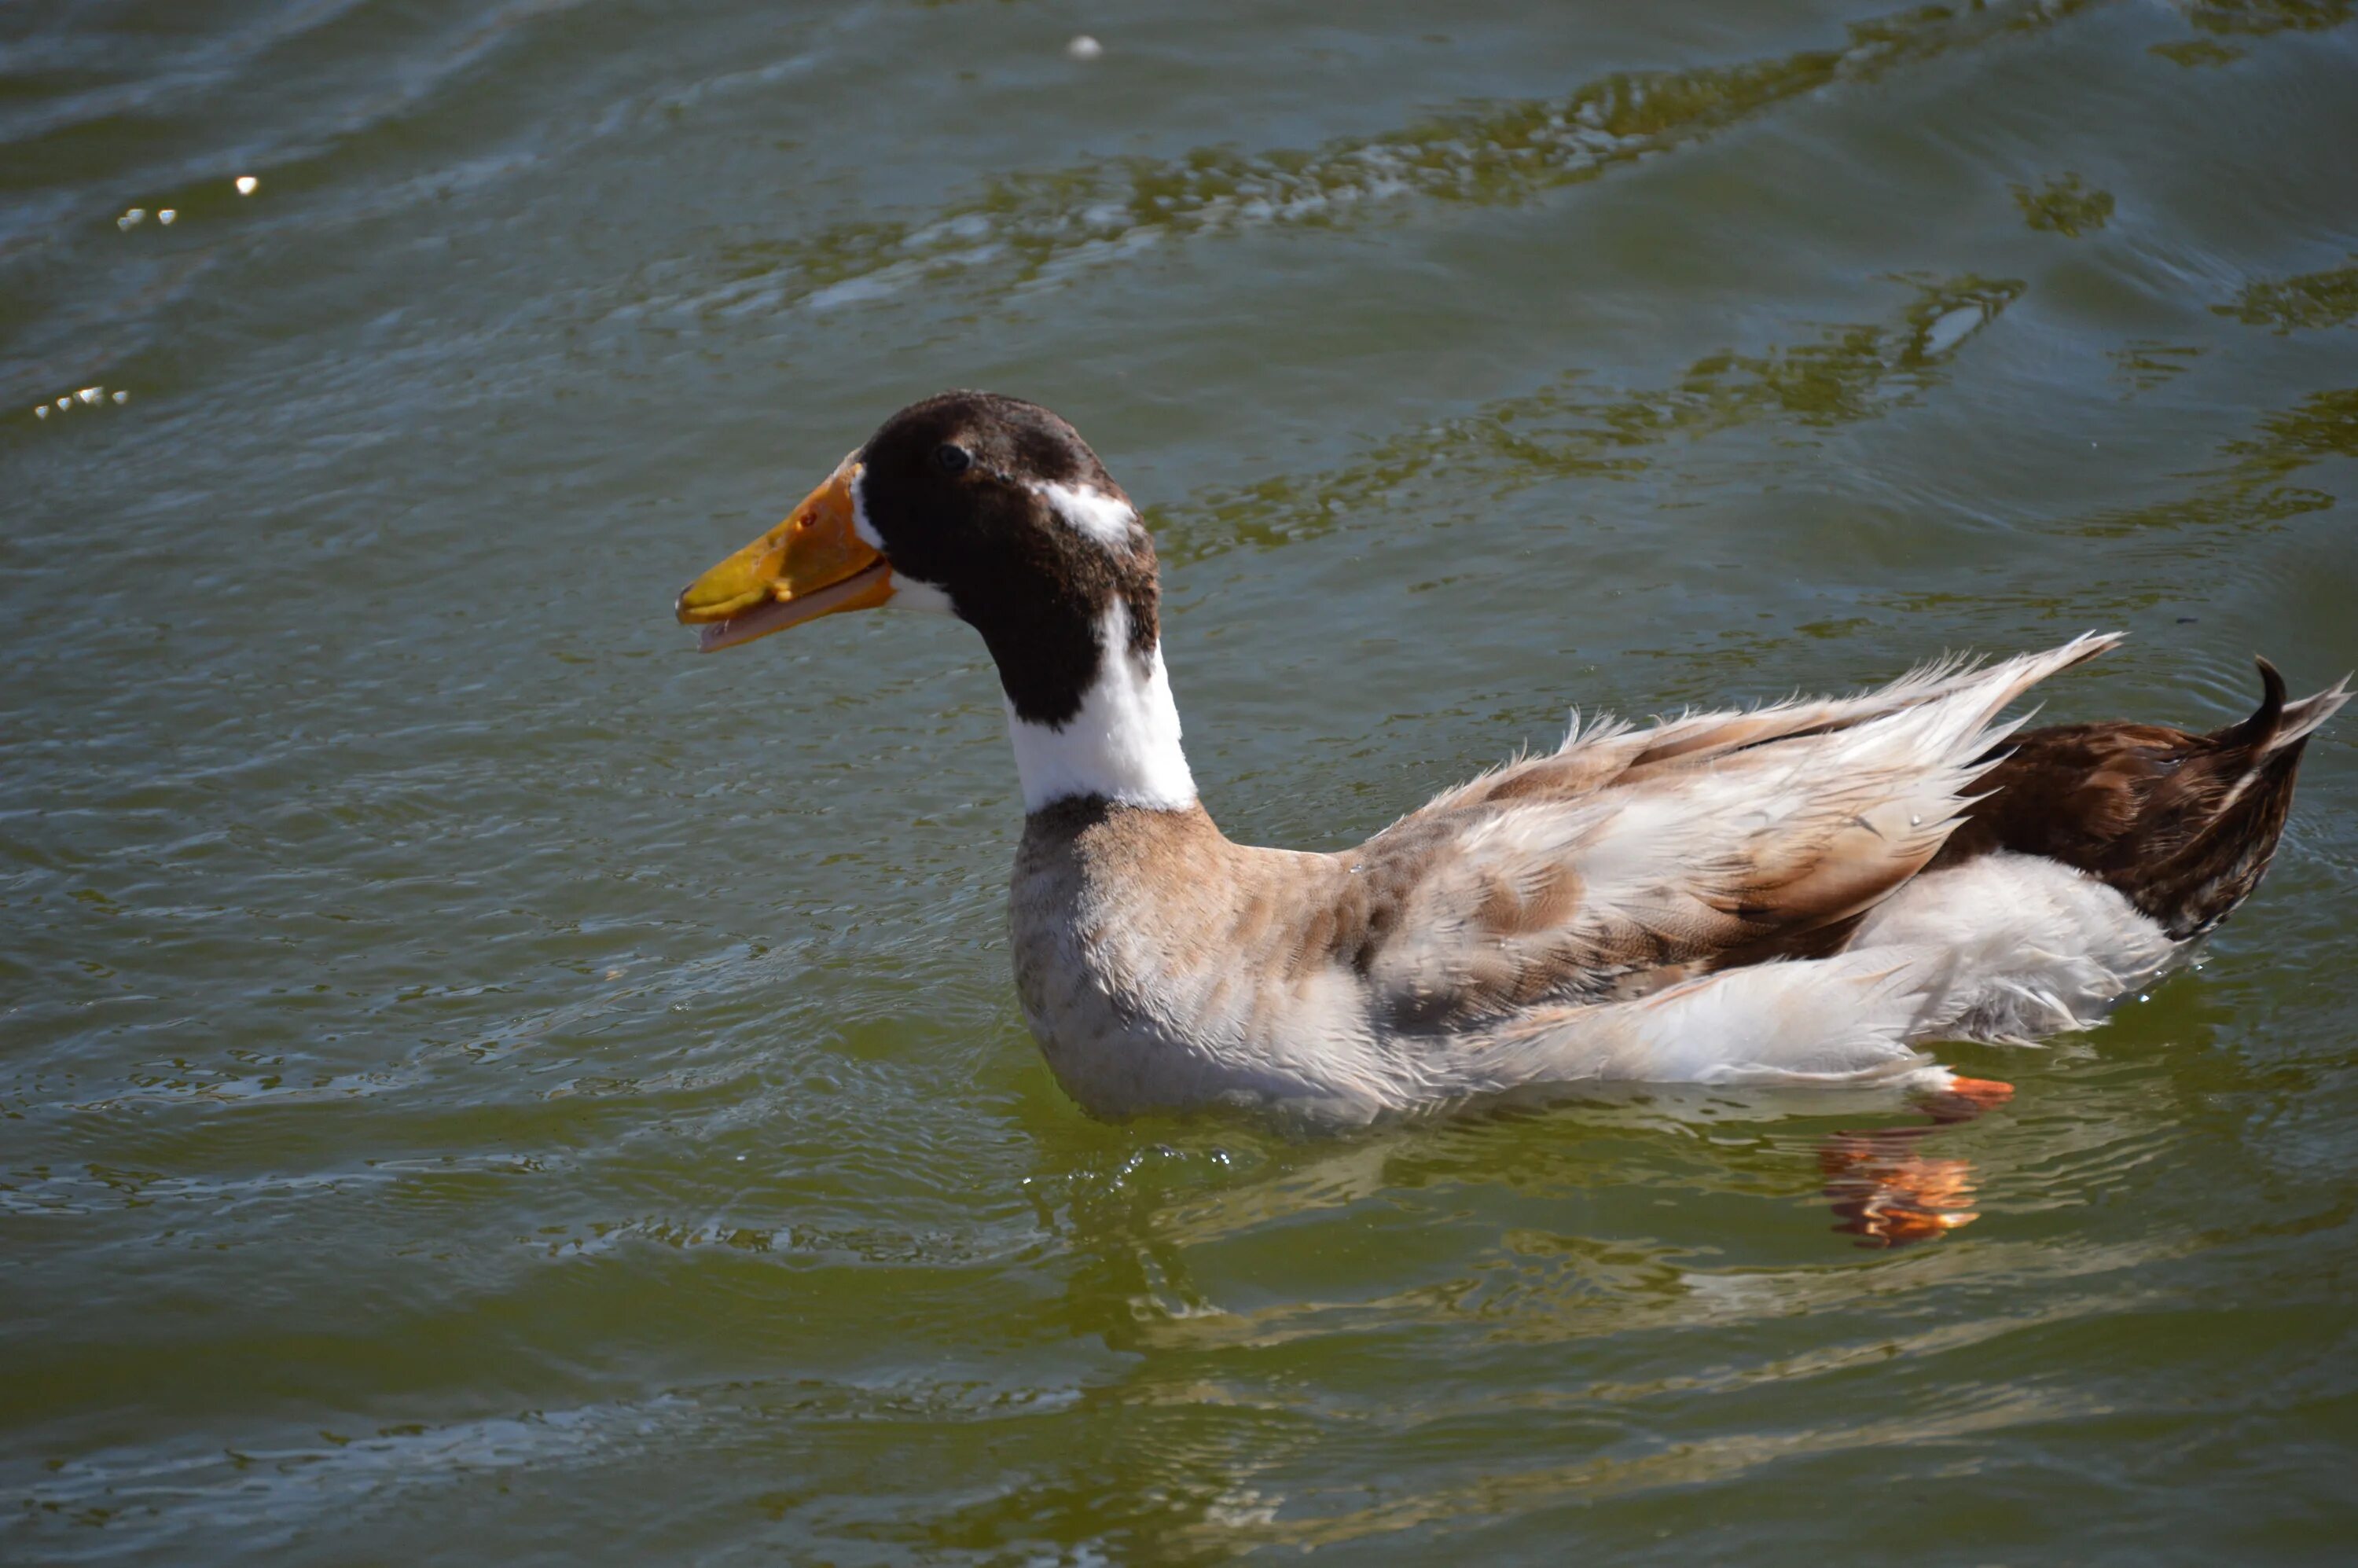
[[1123, 744]]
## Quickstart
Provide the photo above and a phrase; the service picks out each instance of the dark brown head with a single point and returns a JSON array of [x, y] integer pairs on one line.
[[988, 507]]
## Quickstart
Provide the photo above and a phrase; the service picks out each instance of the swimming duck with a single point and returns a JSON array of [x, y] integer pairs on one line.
[[1807, 892]]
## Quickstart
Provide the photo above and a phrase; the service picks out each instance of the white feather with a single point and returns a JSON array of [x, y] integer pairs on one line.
[[2022, 947], [1124, 742], [1847, 1019], [910, 593], [1108, 519], [2003, 948], [860, 523]]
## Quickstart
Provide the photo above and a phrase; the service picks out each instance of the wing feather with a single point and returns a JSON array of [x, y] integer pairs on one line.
[[1632, 859]]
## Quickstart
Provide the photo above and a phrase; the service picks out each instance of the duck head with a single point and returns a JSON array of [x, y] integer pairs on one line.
[[994, 510]]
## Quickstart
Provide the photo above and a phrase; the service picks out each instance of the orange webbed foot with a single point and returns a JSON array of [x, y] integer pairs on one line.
[[1965, 1098]]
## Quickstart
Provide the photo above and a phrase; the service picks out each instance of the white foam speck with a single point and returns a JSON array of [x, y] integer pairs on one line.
[[166, 215], [1084, 46], [122, 397], [247, 185], [1951, 328], [853, 290], [90, 394]]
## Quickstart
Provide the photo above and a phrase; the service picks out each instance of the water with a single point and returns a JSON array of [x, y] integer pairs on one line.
[[482, 1081]]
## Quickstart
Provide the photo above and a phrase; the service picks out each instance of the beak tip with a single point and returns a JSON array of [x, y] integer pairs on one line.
[[812, 564]]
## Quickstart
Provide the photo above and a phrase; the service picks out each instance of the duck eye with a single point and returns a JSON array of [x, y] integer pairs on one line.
[[951, 457]]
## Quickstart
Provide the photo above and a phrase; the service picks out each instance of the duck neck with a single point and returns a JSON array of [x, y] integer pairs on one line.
[[1121, 745]]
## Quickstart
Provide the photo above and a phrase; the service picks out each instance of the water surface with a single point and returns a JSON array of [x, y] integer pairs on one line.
[[478, 1080]]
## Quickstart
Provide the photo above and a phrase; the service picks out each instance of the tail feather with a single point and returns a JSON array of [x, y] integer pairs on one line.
[[2182, 823], [2258, 733], [2301, 719]]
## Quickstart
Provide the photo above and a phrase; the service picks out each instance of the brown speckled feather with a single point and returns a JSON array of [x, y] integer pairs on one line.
[[1632, 861]]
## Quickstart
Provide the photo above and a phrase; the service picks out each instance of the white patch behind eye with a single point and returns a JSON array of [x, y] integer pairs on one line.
[[1108, 519]]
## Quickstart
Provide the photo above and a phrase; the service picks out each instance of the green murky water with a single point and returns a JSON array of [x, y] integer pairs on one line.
[[478, 1081]]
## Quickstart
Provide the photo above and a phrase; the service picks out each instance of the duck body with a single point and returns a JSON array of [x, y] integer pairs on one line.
[[1809, 891], [1127, 924]]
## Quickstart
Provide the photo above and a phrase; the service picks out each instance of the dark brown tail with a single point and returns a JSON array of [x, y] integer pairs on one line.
[[2183, 825]]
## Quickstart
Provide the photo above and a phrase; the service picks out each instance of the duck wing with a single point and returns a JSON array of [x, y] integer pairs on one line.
[[1633, 860]]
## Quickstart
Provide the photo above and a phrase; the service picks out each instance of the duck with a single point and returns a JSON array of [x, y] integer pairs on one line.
[[1810, 891]]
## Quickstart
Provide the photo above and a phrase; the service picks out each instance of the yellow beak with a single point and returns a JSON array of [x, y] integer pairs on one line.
[[813, 564]]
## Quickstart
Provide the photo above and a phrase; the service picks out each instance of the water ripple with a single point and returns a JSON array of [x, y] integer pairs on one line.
[[1033, 230]]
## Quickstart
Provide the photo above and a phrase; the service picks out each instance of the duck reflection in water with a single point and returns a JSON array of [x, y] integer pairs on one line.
[[1635, 1184], [1888, 1192]]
